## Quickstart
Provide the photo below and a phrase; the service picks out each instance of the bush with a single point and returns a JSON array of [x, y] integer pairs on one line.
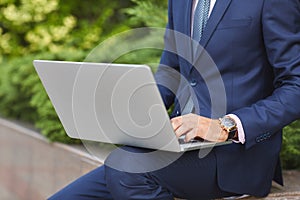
[[150, 13], [290, 153], [14, 97], [23, 97], [33, 26]]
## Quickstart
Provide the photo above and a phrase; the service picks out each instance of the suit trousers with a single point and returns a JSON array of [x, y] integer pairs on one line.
[[187, 176]]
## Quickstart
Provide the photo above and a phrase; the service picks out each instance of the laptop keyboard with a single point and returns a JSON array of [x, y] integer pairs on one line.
[[196, 140]]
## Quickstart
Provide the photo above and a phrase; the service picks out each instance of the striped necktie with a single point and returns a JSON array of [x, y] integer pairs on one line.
[[200, 18]]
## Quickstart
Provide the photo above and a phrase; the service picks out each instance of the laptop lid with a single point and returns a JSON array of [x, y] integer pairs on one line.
[[111, 103]]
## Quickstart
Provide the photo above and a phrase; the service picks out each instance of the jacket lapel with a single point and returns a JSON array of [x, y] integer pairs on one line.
[[212, 23], [217, 14]]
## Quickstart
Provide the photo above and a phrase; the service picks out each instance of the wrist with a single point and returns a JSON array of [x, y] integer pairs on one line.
[[229, 127]]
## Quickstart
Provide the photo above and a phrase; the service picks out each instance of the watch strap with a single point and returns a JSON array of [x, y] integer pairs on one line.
[[233, 134]]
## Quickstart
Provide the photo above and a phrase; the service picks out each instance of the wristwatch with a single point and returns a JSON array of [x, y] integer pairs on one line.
[[229, 125]]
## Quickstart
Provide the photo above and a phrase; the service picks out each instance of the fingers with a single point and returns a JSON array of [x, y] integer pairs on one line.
[[176, 122], [182, 130], [184, 124], [190, 135], [192, 126]]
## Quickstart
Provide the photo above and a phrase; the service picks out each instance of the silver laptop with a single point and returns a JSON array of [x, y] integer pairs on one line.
[[111, 103]]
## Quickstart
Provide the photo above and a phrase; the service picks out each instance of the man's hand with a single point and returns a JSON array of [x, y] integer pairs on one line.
[[193, 126]]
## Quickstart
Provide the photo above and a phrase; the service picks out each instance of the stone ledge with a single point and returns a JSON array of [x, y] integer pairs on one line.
[[37, 136], [33, 168], [279, 196]]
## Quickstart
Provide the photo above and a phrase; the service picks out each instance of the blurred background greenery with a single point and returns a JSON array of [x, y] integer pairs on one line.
[[68, 30]]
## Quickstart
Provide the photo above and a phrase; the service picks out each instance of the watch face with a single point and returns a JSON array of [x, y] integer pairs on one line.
[[228, 122]]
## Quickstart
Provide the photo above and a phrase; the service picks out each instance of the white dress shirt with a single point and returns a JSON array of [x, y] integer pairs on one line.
[[240, 128]]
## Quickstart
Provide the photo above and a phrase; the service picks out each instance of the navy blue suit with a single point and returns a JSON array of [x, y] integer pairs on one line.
[[255, 45]]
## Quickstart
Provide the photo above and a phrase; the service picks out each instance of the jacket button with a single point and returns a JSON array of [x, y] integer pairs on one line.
[[259, 139], [193, 83]]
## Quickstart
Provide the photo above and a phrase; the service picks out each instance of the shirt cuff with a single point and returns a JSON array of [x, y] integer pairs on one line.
[[240, 128]]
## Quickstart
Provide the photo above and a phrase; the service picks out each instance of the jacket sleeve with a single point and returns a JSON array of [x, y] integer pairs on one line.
[[281, 32], [168, 75]]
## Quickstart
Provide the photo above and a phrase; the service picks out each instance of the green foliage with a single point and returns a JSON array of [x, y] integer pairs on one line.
[[290, 153], [151, 13], [14, 99], [23, 97], [30, 26]]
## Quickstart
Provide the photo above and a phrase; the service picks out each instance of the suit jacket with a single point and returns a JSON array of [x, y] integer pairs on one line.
[[255, 46]]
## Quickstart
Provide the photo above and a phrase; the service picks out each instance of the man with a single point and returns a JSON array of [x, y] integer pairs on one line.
[[255, 45]]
